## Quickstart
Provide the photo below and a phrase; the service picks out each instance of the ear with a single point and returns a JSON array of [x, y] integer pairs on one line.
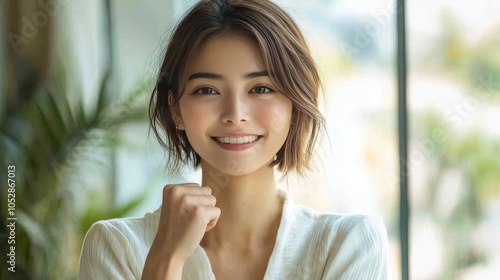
[[176, 115]]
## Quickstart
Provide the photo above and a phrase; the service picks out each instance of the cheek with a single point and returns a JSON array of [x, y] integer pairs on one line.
[[194, 117], [195, 120], [279, 116]]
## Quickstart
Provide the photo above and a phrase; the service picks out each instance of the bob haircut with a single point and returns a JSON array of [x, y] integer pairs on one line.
[[285, 54]]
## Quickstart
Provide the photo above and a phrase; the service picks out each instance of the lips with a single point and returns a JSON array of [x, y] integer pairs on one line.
[[237, 140]]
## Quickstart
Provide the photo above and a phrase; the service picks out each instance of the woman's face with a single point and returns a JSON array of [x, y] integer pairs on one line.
[[231, 112]]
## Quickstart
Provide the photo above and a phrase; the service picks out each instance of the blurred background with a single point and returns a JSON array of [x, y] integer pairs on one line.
[[76, 77]]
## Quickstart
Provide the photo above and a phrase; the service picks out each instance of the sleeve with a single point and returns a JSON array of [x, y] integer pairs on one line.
[[105, 254], [360, 252]]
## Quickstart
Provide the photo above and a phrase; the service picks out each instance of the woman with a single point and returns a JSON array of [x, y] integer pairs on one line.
[[237, 96]]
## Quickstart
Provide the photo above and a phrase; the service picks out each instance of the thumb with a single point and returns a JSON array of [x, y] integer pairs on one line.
[[214, 215]]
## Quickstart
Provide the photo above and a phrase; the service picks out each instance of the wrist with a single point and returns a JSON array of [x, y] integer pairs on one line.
[[166, 268], [173, 268]]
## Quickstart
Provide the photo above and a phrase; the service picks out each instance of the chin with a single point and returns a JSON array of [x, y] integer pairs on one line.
[[235, 167], [237, 170]]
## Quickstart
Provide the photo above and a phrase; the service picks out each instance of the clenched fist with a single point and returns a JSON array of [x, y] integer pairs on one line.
[[188, 211]]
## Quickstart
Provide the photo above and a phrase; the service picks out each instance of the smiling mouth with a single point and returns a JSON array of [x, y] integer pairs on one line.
[[237, 140]]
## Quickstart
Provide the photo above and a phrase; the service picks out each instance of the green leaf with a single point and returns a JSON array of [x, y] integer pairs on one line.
[[46, 128], [58, 118], [103, 94], [33, 229]]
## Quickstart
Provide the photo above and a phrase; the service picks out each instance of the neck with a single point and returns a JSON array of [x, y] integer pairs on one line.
[[250, 208]]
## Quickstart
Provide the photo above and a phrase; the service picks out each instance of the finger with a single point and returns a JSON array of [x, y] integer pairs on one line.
[[194, 189], [180, 190], [204, 190], [188, 201], [214, 214], [195, 185], [204, 214]]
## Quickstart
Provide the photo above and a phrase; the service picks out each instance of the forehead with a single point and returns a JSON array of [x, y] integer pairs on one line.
[[228, 54]]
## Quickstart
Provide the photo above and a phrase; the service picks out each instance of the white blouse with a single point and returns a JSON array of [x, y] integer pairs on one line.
[[309, 245]]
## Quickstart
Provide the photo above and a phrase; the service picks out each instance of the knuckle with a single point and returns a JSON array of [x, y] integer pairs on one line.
[[167, 189], [198, 211], [212, 200], [166, 193], [176, 190], [185, 200]]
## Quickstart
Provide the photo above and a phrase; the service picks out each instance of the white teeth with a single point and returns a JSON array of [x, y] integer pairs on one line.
[[237, 140]]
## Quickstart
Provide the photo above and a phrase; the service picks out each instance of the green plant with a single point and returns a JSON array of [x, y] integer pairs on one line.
[[49, 138], [474, 155]]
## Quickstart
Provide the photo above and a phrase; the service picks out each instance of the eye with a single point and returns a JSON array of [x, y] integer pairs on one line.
[[261, 90], [206, 91]]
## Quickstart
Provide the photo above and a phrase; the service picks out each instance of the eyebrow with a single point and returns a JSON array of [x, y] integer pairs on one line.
[[213, 76]]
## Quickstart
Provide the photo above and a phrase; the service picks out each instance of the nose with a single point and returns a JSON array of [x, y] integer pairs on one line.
[[235, 110]]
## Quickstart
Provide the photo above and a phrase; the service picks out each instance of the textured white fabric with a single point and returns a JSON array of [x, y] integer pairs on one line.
[[309, 245]]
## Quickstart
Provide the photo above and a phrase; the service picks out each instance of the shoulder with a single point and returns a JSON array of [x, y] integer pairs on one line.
[[362, 226], [335, 231], [117, 246], [357, 247], [352, 246], [344, 230], [340, 225], [304, 220], [127, 226], [130, 230]]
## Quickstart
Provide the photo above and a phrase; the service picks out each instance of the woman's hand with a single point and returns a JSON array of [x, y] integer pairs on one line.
[[188, 211]]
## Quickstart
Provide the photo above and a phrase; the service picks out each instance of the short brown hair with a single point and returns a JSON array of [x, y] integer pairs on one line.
[[285, 54]]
